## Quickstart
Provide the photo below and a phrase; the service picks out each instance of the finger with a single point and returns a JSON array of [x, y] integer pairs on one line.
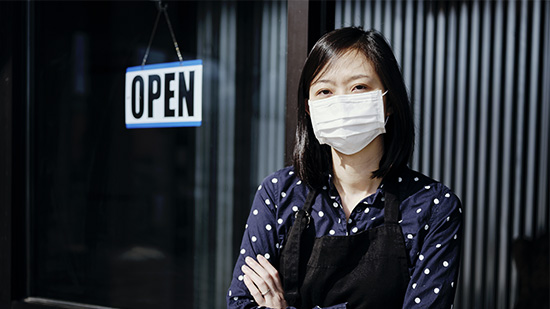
[[259, 269], [256, 279], [274, 274], [253, 289], [263, 273]]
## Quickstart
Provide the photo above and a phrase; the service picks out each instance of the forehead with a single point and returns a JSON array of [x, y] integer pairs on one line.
[[351, 62]]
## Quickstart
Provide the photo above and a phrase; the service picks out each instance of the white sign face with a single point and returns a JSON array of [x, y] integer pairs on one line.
[[164, 95]]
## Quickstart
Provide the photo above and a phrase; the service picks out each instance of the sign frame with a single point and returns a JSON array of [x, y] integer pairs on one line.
[[181, 113]]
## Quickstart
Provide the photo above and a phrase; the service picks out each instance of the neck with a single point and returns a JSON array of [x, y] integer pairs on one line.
[[353, 173]]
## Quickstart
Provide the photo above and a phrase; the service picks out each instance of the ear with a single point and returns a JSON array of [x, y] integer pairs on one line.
[[306, 103]]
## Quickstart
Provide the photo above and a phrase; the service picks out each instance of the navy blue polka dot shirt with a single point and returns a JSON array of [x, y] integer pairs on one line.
[[431, 221]]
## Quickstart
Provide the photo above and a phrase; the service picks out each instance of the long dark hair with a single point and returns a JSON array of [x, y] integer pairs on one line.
[[312, 161]]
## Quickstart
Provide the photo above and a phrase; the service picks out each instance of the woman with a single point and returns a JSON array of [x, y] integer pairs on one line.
[[349, 225]]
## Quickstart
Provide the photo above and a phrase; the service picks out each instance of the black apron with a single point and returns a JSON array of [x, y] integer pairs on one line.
[[364, 270]]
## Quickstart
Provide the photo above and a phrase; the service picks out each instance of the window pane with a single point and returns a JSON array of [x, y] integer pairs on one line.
[[149, 218]]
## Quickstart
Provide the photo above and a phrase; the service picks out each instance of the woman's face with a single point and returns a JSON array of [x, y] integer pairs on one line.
[[348, 74]]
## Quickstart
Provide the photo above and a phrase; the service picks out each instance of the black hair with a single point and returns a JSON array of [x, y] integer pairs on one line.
[[312, 161]]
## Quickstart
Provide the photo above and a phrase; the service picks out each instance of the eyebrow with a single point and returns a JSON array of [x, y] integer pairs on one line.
[[351, 78]]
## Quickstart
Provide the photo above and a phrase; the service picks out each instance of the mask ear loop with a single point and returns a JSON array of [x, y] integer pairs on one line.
[[387, 117]]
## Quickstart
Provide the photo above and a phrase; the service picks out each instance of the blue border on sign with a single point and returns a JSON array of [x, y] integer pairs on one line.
[[164, 65], [163, 125]]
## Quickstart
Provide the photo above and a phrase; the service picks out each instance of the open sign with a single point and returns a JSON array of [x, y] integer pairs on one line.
[[164, 95]]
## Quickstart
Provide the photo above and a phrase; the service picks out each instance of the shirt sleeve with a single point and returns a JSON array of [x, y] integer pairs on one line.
[[435, 272], [260, 237]]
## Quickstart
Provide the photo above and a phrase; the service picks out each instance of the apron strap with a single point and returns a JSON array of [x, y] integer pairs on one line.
[[291, 281], [391, 208], [309, 201]]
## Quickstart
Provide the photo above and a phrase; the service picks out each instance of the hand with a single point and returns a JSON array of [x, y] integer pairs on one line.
[[263, 282]]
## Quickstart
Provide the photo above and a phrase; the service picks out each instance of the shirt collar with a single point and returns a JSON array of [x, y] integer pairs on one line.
[[369, 200]]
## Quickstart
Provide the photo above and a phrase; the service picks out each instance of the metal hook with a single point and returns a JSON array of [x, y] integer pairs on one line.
[[160, 6]]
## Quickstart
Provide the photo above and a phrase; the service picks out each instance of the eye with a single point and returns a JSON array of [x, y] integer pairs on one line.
[[359, 88], [323, 92]]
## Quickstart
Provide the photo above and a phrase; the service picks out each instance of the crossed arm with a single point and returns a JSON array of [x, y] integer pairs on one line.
[[263, 282]]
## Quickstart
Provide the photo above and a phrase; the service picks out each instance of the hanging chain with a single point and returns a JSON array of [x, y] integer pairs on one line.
[[161, 8], [172, 33], [151, 40]]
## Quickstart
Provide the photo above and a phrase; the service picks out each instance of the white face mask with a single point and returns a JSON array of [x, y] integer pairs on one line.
[[348, 123]]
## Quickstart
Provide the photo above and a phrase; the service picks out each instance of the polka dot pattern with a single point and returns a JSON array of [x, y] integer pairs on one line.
[[425, 220]]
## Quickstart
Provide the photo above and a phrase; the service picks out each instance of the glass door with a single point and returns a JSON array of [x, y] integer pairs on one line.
[[147, 218]]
